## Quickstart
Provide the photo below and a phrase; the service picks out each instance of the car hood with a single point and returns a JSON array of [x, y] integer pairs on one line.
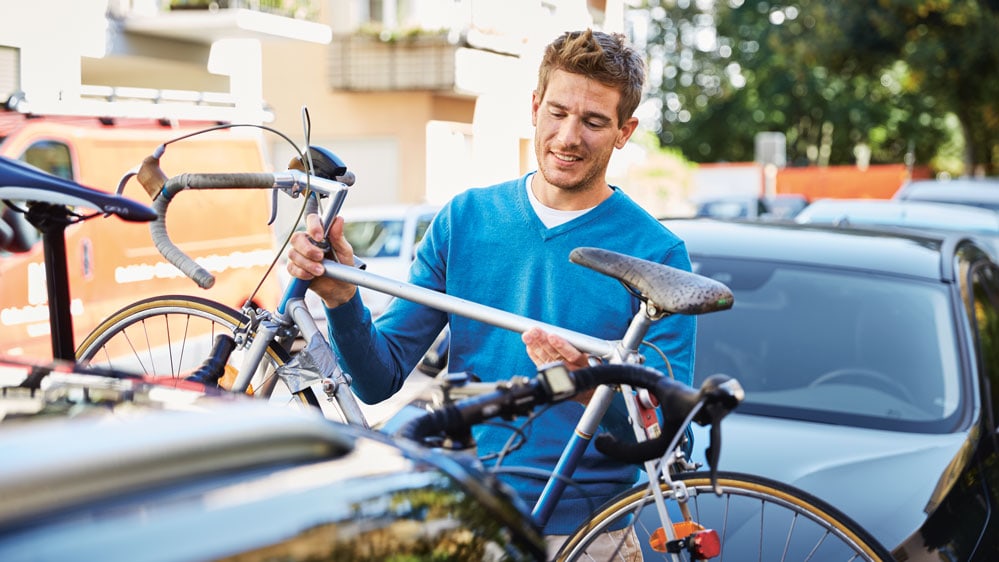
[[886, 481]]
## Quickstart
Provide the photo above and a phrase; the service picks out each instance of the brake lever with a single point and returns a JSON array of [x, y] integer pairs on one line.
[[274, 205], [713, 452], [723, 395]]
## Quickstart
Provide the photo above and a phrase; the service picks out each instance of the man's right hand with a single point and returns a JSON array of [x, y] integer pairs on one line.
[[305, 260]]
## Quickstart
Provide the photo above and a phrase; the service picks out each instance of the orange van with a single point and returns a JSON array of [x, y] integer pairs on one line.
[[113, 263]]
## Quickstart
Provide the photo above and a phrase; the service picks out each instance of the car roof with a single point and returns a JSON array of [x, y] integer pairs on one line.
[[911, 253], [959, 189], [900, 212]]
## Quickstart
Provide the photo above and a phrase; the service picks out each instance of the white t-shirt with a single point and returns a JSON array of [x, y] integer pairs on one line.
[[551, 217]]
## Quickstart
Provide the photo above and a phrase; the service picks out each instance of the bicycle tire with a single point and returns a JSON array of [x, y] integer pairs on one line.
[[756, 518], [171, 335]]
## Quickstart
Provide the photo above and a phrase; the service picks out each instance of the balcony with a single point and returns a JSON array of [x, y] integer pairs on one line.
[[363, 62], [206, 21], [298, 9]]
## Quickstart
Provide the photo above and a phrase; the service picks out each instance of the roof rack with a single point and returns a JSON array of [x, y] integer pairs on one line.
[[147, 103]]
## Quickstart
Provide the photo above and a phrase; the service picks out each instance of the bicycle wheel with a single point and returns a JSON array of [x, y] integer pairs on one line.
[[172, 335], [756, 519]]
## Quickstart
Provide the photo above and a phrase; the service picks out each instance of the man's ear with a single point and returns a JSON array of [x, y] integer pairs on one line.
[[625, 132]]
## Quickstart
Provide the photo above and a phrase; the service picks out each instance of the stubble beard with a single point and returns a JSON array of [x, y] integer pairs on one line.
[[585, 183]]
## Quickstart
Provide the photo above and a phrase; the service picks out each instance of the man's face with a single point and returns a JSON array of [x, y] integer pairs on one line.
[[577, 130]]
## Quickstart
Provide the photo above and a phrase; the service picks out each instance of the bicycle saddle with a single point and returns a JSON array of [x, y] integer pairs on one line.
[[23, 182], [669, 290]]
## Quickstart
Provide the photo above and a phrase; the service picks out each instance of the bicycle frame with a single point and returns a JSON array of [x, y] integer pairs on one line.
[[623, 351]]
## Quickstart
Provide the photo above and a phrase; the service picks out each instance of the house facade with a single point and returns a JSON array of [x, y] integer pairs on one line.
[[421, 98]]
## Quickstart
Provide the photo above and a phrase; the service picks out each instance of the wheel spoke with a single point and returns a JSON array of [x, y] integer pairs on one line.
[[135, 352], [787, 542]]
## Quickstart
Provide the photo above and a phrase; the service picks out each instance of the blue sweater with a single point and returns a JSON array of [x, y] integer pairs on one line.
[[488, 246]]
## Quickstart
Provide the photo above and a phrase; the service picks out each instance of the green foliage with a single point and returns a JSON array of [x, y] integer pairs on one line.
[[830, 75]]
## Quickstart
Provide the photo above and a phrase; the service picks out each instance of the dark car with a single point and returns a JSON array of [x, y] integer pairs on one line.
[[978, 192], [164, 474], [776, 207], [870, 361]]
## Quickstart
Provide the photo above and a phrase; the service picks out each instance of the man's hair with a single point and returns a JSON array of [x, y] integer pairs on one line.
[[604, 57]]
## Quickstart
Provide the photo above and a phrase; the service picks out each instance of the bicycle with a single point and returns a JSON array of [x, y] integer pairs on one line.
[[265, 338], [168, 335]]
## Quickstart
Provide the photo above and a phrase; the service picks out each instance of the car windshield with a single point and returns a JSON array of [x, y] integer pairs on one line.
[[376, 238], [833, 346]]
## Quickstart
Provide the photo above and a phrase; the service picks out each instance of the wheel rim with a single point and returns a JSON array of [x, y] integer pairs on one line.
[[168, 337], [754, 520]]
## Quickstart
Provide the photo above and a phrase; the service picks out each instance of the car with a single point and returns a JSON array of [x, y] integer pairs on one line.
[[869, 360], [776, 207], [145, 472], [385, 237], [904, 213], [978, 192]]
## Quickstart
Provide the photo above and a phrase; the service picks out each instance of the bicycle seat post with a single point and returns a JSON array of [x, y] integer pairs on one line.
[[637, 329], [51, 221]]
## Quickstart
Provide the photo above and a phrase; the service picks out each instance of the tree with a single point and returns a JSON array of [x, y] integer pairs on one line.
[[952, 51], [833, 77]]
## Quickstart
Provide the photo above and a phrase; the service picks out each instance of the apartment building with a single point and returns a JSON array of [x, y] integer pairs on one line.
[[420, 97]]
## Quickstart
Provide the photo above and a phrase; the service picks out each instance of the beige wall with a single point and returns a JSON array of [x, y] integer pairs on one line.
[[396, 119]]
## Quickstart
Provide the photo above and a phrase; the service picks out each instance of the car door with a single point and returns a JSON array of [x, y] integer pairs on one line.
[[960, 523], [984, 314]]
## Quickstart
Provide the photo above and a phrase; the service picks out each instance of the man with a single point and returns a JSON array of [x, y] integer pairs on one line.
[[507, 246]]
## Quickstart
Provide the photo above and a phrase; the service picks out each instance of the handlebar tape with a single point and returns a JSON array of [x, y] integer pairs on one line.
[[446, 419], [175, 185], [213, 367], [675, 399]]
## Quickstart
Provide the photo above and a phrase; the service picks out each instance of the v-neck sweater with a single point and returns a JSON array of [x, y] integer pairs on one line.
[[488, 246]]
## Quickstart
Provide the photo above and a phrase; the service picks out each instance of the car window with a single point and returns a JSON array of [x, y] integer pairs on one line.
[[833, 346], [51, 156], [422, 224], [727, 209], [375, 238]]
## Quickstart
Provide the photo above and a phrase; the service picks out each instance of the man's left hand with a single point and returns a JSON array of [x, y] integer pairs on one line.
[[544, 348]]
